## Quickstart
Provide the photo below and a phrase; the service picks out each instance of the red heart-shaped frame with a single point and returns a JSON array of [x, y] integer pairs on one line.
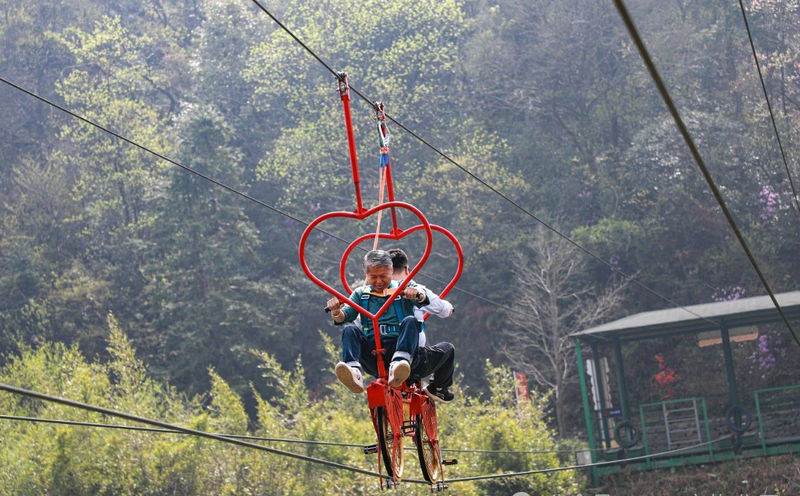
[[424, 224], [395, 235]]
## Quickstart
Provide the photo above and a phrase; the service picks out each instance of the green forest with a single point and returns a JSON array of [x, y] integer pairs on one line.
[[530, 130]]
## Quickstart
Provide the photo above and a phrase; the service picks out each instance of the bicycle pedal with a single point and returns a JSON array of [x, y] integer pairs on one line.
[[438, 487], [451, 461], [409, 428], [392, 484], [372, 448]]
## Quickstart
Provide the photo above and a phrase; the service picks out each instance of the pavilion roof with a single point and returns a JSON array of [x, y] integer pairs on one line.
[[696, 318]]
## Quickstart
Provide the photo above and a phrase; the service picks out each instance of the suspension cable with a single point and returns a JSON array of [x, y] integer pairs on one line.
[[315, 442], [769, 106], [662, 89], [214, 181], [590, 465], [185, 430], [172, 431], [478, 179], [171, 428], [151, 152]]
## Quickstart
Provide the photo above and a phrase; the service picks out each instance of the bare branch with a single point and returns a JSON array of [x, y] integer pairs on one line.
[[553, 305]]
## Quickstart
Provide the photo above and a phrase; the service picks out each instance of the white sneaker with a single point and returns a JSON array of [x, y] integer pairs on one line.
[[399, 370], [350, 377]]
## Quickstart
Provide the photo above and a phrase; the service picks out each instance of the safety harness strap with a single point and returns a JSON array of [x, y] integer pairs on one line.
[[387, 330]]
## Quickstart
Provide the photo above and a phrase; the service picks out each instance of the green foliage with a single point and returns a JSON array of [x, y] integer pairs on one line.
[[517, 432], [549, 105], [59, 459]]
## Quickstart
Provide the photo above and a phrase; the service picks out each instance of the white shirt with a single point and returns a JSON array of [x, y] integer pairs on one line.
[[436, 306]]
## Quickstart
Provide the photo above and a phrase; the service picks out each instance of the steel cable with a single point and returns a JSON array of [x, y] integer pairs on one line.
[[673, 110]]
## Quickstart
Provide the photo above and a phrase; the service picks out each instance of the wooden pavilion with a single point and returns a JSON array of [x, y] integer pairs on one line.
[[687, 430]]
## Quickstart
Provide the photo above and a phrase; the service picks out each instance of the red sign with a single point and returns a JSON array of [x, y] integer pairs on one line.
[[521, 387]]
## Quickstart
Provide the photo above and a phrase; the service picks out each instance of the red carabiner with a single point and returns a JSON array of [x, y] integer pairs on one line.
[[383, 135], [383, 131]]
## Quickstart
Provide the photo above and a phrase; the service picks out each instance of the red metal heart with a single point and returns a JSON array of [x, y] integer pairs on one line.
[[424, 224], [395, 235]]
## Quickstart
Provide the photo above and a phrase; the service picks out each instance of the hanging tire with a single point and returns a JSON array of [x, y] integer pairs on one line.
[[738, 418], [626, 434], [391, 447], [430, 458]]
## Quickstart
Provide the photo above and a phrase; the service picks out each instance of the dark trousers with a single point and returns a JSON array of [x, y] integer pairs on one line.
[[358, 347], [438, 360]]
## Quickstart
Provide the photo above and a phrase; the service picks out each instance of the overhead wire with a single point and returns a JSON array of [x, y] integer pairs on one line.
[[194, 432], [769, 106], [475, 177], [143, 148], [100, 425], [590, 465], [171, 428], [673, 110], [210, 179], [78, 423]]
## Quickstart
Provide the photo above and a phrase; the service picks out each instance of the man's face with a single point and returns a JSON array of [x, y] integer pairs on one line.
[[379, 277]]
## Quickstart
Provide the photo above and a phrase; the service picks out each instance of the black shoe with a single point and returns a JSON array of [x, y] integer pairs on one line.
[[439, 394]]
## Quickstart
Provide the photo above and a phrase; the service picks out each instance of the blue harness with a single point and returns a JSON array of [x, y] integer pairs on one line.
[[386, 330]]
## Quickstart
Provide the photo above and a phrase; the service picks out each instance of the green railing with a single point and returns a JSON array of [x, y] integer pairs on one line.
[[675, 416], [684, 423], [778, 414]]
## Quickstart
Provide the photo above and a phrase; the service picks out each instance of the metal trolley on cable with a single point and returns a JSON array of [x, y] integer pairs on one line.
[[406, 410]]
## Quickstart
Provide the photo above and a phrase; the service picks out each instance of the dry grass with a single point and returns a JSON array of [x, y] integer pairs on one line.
[[775, 475]]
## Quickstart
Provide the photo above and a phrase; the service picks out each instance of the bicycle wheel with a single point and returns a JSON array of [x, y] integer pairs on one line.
[[430, 458], [391, 447]]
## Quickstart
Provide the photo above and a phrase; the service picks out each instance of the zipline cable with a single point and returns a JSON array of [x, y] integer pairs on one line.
[[483, 182], [138, 428], [78, 423], [170, 427], [193, 432], [662, 89], [215, 181], [154, 153], [590, 465], [769, 106]]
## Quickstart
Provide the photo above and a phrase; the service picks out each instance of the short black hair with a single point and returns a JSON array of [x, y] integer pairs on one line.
[[399, 259]]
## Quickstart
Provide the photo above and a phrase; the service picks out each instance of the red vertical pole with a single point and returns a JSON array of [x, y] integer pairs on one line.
[[379, 358], [344, 92]]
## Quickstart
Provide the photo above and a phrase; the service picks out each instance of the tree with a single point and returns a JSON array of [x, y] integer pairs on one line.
[[554, 299], [47, 458], [204, 286]]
